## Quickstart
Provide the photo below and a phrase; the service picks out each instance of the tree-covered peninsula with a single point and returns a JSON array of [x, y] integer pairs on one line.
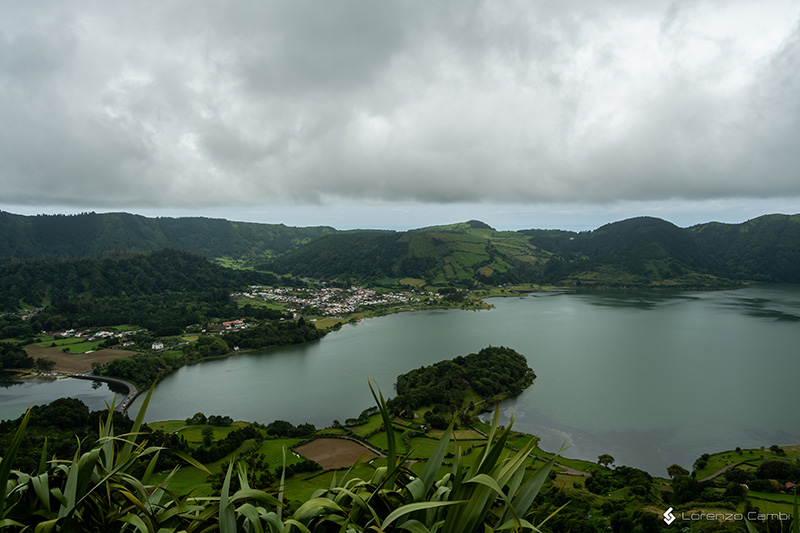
[[493, 374]]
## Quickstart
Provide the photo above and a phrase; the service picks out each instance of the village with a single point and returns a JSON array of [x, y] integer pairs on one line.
[[334, 301]]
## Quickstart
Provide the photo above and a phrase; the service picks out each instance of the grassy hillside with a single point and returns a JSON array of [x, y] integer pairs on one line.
[[457, 254], [639, 252]]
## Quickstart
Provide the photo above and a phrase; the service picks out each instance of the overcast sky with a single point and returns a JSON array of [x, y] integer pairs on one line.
[[402, 114]]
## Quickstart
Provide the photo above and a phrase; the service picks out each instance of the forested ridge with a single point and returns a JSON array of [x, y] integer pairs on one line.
[[638, 252], [92, 234], [164, 291]]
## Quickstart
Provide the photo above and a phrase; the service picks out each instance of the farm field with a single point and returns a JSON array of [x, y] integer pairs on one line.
[[335, 453], [75, 363]]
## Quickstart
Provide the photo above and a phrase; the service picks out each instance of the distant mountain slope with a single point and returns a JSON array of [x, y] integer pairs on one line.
[[766, 248], [634, 250], [638, 252], [454, 254], [90, 234]]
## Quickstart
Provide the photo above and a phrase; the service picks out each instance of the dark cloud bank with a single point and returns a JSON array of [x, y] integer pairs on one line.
[[193, 104]]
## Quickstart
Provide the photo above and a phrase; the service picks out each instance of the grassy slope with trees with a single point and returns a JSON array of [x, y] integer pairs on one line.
[[639, 252]]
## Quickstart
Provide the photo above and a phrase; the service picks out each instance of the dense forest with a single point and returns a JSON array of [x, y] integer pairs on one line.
[[13, 355], [163, 291], [492, 373], [91, 234]]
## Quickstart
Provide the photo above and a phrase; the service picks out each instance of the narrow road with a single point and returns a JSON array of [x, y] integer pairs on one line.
[[721, 471], [126, 402]]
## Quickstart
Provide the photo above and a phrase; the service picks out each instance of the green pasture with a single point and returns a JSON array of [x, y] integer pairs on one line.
[[327, 323], [72, 344], [771, 503], [273, 451], [422, 447], [374, 422], [753, 456], [380, 440], [194, 433]]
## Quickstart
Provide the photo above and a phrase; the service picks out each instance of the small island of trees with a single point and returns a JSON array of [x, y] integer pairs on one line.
[[492, 374]]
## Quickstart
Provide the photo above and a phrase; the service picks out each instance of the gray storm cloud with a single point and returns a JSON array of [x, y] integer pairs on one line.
[[180, 103]]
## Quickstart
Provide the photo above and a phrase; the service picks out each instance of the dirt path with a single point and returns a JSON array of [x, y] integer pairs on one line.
[[573, 471]]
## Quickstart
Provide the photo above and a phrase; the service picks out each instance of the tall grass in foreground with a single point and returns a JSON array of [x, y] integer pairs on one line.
[[96, 491]]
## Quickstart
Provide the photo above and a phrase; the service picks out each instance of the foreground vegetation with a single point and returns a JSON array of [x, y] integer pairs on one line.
[[97, 490], [467, 476]]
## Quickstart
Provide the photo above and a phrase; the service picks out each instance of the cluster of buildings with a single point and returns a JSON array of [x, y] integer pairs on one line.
[[91, 336], [95, 335], [330, 301]]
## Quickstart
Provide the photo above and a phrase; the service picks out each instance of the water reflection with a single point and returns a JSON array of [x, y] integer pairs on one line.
[[765, 308], [633, 299], [6, 382]]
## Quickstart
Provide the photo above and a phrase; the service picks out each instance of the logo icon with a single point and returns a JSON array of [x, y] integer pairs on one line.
[[668, 516]]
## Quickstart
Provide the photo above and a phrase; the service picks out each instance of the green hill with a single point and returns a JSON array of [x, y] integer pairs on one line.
[[91, 234], [638, 252], [454, 254], [642, 251], [765, 249]]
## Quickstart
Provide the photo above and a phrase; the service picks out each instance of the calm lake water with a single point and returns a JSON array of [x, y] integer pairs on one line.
[[651, 378], [17, 395]]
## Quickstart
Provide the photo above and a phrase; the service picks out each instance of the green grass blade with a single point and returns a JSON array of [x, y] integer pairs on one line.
[[391, 453], [524, 499], [135, 521], [227, 518], [127, 450], [250, 512], [435, 460], [412, 507], [282, 486], [415, 526], [148, 473], [243, 495], [551, 515], [41, 486], [8, 458], [43, 459], [299, 525], [315, 507], [192, 461]]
